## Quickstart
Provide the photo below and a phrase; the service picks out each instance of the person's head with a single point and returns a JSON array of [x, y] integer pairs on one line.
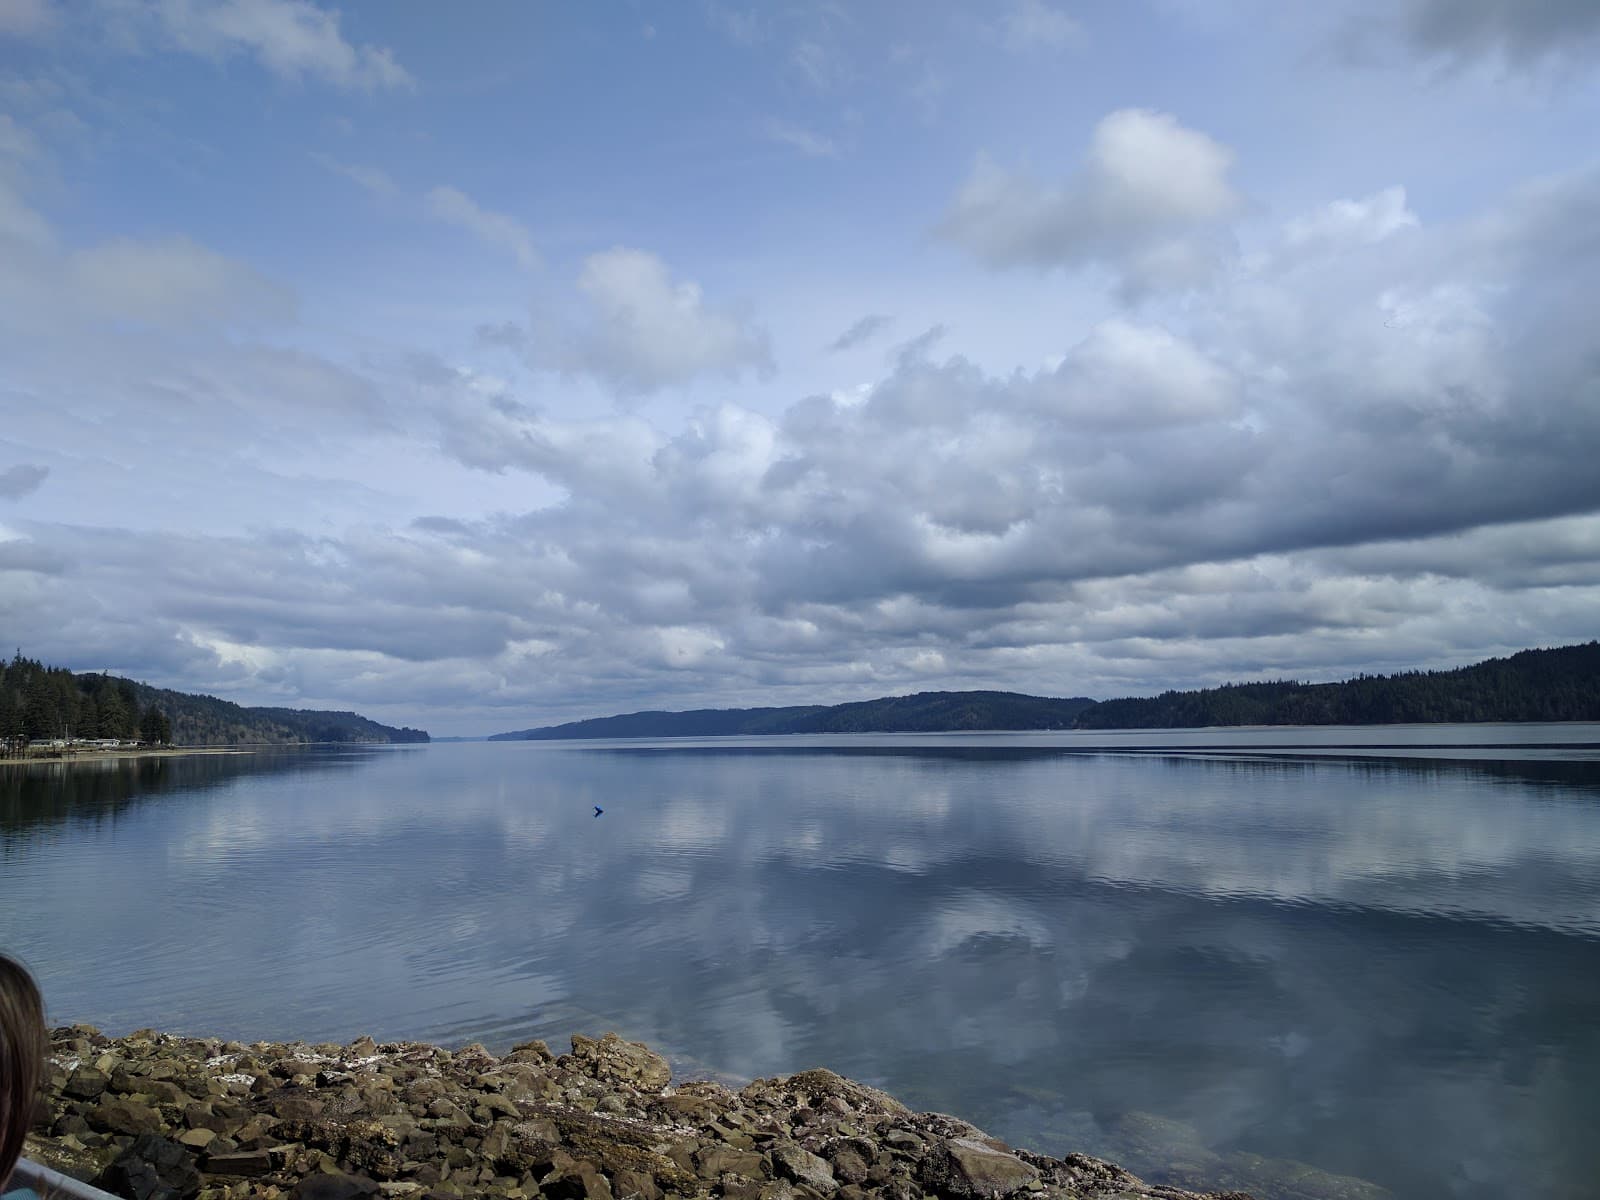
[[22, 1048]]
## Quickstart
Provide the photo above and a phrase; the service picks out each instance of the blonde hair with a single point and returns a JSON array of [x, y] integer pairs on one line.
[[22, 1051]]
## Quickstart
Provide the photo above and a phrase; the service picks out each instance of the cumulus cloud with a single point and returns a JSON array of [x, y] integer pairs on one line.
[[860, 332], [21, 480], [1372, 447], [1127, 376], [455, 207], [292, 38], [643, 330], [1145, 202], [1370, 220], [1035, 25]]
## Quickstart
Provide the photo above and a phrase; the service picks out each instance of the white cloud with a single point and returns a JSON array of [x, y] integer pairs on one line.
[[1127, 376], [373, 179], [1379, 216], [1145, 202], [807, 142], [25, 18], [18, 221], [1035, 25], [455, 207], [860, 332], [173, 279], [292, 38], [646, 331], [15, 141]]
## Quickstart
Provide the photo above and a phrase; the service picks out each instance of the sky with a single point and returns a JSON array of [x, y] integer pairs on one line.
[[504, 365]]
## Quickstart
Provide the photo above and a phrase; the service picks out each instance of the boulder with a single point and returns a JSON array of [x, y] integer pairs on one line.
[[969, 1169], [152, 1168], [128, 1117], [85, 1083], [610, 1059], [794, 1162], [328, 1186]]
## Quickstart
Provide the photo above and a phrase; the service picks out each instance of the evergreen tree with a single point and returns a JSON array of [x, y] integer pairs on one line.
[[155, 728]]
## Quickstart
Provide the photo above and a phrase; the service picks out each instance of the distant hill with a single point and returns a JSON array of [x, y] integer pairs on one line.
[[1561, 684], [37, 701], [925, 712]]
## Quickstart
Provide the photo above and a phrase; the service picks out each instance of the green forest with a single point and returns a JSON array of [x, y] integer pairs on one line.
[[39, 701], [1561, 684]]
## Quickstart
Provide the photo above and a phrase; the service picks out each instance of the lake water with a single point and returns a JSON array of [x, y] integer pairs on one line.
[[1372, 952]]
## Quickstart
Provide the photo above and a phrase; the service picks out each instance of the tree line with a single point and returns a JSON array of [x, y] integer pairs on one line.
[[43, 702], [40, 702], [1559, 684]]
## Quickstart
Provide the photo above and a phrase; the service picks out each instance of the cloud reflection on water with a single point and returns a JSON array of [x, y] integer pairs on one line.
[[1382, 967]]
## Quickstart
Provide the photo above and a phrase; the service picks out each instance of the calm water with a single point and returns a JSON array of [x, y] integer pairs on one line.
[[1381, 962]]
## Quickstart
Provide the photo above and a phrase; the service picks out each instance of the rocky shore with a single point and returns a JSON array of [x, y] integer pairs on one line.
[[156, 1117]]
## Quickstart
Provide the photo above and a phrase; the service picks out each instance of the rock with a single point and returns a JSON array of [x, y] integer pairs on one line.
[[582, 1181], [125, 1117], [634, 1185], [242, 1162], [793, 1161], [152, 1168], [86, 1083], [333, 1187], [197, 1139], [713, 1162], [611, 1058], [968, 1169], [848, 1164], [296, 1106]]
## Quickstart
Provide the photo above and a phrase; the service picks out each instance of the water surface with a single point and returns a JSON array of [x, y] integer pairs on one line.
[[1290, 945]]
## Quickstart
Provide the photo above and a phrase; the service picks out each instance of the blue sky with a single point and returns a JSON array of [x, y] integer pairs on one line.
[[532, 361]]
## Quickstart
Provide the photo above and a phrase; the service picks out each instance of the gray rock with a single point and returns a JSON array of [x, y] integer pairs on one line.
[[152, 1168], [713, 1162], [125, 1117], [794, 1162], [611, 1058], [85, 1083], [968, 1169]]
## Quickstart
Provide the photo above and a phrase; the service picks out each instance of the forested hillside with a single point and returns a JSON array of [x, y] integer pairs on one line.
[[926, 712], [1561, 684], [37, 701]]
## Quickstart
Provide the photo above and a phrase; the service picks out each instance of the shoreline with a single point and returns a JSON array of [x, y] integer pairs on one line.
[[206, 1119], [102, 755]]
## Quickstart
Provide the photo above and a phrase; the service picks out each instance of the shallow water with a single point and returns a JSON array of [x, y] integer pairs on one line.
[[1295, 944]]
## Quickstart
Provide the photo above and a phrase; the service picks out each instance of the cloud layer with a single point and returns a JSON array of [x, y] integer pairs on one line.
[[1183, 411]]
